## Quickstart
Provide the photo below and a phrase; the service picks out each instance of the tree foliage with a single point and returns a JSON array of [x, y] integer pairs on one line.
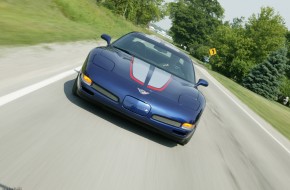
[[251, 52], [267, 30], [265, 78], [193, 21], [233, 58], [139, 12], [285, 87], [243, 44], [201, 52]]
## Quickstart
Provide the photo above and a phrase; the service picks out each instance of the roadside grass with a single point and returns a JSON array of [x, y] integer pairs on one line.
[[32, 22], [273, 112]]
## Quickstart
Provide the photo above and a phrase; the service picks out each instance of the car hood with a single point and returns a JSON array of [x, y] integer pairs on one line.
[[125, 75]]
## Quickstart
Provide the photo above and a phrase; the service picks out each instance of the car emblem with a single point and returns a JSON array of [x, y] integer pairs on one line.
[[143, 91]]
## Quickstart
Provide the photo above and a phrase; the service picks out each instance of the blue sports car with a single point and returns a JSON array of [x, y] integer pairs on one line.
[[146, 79]]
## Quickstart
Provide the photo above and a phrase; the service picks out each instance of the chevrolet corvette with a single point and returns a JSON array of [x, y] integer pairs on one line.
[[145, 79]]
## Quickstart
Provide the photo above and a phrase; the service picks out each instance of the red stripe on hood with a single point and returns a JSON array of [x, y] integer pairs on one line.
[[163, 87], [131, 72]]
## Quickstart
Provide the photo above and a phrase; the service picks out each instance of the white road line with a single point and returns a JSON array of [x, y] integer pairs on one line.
[[247, 113], [24, 91]]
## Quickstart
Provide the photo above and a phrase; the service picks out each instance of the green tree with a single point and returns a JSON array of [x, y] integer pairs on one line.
[[233, 57], [139, 12], [243, 44], [265, 78], [193, 21], [148, 10], [267, 30]]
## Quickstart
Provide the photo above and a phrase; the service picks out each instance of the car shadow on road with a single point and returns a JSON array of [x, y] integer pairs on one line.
[[4, 187], [116, 119]]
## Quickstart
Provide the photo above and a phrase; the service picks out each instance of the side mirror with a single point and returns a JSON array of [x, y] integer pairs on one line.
[[107, 38], [201, 82]]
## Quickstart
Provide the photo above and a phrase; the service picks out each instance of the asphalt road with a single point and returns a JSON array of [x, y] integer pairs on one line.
[[50, 139]]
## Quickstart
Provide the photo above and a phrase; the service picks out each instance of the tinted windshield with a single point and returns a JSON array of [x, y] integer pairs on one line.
[[157, 54]]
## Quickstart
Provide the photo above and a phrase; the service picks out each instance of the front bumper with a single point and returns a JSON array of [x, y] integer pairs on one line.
[[102, 97]]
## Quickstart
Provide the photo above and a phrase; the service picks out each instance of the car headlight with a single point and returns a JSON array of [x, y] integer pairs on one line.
[[188, 126], [86, 79]]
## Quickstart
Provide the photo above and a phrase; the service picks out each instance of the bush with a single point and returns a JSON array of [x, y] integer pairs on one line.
[[201, 52], [239, 69], [285, 87]]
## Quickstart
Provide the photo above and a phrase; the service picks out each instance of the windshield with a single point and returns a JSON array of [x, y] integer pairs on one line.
[[157, 54]]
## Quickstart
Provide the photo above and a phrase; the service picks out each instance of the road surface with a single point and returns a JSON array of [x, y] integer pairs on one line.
[[50, 139]]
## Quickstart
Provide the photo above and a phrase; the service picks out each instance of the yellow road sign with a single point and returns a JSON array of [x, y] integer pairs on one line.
[[212, 51]]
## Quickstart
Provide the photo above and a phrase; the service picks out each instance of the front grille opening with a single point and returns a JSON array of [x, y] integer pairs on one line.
[[87, 91], [105, 92], [166, 120]]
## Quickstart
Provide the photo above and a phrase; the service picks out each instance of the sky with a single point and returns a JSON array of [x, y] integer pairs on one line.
[[245, 8], [238, 8]]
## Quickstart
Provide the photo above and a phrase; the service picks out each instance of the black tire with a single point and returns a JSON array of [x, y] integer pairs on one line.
[[74, 88]]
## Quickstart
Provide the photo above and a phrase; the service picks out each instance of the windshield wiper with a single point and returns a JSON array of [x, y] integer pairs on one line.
[[124, 50]]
